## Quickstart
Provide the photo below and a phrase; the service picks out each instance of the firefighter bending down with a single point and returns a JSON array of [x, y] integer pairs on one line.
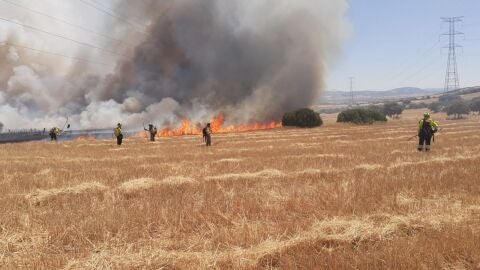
[[118, 133], [207, 135], [54, 132], [426, 130], [153, 131]]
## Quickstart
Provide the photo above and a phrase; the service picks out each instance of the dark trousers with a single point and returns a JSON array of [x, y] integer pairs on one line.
[[208, 140], [119, 139], [424, 139], [152, 137], [53, 136]]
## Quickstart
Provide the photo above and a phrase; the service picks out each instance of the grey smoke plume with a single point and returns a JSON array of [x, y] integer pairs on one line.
[[252, 60]]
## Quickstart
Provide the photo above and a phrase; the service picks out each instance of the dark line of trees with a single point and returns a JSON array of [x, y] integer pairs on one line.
[[455, 106], [393, 109], [302, 118], [475, 105], [361, 116]]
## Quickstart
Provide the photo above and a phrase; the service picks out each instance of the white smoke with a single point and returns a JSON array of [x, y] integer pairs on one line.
[[185, 58]]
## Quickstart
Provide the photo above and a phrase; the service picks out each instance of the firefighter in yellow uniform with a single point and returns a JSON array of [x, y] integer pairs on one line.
[[153, 132], [118, 133], [54, 132], [207, 135], [427, 128]]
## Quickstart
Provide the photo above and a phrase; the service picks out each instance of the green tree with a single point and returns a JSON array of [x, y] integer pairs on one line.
[[392, 109], [302, 118], [406, 102], [376, 108], [361, 116], [435, 107], [475, 105], [447, 99], [457, 108]]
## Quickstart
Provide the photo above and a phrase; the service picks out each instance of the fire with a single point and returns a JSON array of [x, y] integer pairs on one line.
[[187, 128], [217, 126]]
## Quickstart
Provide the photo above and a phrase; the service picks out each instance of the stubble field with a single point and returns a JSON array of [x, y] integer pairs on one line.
[[335, 197]]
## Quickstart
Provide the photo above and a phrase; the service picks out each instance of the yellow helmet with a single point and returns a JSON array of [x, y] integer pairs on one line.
[[426, 115]]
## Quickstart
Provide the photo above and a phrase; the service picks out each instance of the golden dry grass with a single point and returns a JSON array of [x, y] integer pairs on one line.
[[335, 197]]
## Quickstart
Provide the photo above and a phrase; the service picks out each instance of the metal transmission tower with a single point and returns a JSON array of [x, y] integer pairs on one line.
[[451, 76], [351, 91]]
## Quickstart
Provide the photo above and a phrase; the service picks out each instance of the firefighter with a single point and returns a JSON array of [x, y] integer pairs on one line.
[[207, 135], [427, 128], [54, 132], [153, 131], [118, 133]]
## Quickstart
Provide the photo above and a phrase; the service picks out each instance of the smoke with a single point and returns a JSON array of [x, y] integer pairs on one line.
[[251, 60]]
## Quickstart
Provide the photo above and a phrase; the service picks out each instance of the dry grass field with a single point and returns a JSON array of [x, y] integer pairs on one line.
[[336, 197]]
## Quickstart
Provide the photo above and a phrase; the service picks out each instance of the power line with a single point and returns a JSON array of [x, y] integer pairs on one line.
[[451, 76], [405, 76], [418, 71], [54, 53], [427, 75], [408, 64], [136, 21], [62, 37], [62, 21], [113, 15]]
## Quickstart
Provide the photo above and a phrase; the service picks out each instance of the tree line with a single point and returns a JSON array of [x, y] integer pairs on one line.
[[452, 105], [455, 105]]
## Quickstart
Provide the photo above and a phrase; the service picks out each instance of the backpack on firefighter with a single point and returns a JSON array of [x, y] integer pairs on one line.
[[152, 130], [427, 128], [118, 134], [205, 134], [54, 132]]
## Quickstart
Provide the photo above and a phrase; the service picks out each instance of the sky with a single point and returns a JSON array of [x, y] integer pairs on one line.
[[399, 44]]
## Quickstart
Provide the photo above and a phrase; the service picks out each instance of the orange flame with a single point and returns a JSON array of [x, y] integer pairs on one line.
[[217, 126], [186, 129]]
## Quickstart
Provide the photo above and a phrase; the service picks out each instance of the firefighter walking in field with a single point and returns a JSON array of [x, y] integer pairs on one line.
[[427, 128], [54, 132], [118, 133], [153, 131], [207, 135]]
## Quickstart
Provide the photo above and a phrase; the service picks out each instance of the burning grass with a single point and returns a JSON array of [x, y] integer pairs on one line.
[[217, 125], [335, 197]]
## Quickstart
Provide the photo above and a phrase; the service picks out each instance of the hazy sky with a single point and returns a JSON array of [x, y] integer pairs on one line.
[[397, 43]]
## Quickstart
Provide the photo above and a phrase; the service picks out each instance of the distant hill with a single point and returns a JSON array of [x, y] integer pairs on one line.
[[369, 96], [465, 91]]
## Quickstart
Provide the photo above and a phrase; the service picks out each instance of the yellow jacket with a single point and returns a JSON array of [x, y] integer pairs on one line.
[[118, 131], [433, 124], [56, 130]]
